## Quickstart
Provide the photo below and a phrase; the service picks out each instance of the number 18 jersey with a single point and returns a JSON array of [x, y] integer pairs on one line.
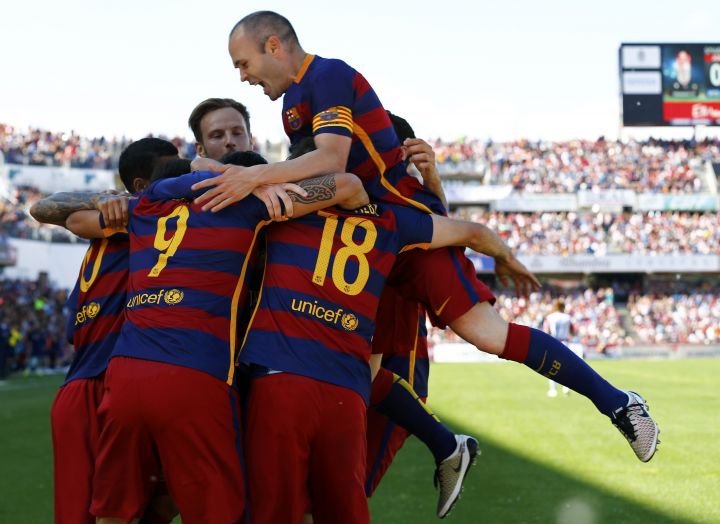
[[323, 279]]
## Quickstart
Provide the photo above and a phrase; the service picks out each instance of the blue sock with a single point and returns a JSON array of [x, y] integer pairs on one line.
[[552, 359], [404, 408]]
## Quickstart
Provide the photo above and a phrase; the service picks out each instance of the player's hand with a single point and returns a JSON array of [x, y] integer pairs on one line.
[[273, 194], [422, 155], [114, 209], [234, 184], [207, 164], [509, 268]]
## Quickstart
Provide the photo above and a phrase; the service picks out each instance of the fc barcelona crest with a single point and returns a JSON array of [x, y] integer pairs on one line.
[[293, 119]]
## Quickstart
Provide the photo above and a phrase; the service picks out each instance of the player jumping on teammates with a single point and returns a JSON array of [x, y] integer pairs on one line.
[[327, 99]]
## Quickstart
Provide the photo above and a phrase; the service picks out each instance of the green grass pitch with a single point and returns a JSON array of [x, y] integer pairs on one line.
[[544, 460]]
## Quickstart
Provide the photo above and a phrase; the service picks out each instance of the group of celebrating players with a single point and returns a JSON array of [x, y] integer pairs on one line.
[[250, 337]]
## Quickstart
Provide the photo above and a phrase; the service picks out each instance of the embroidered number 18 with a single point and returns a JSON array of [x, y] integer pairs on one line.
[[351, 249]]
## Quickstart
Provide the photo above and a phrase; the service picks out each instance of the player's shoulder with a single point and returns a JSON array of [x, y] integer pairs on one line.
[[323, 67], [372, 210], [249, 209], [146, 203], [385, 215]]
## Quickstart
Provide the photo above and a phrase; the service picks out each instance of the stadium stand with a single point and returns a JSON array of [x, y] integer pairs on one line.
[[16, 222], [565, 167], [597, 201], [677, 312], [32, 327], [600, 233], [596, 321]]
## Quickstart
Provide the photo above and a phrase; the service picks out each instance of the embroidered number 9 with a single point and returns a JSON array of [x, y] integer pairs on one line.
[[351, 249], [169, 247]]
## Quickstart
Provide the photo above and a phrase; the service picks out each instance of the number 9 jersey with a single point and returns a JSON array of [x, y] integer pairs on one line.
[[187, 278], [324, 276]]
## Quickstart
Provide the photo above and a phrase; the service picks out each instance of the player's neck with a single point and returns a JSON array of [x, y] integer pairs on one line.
[[297, 60]]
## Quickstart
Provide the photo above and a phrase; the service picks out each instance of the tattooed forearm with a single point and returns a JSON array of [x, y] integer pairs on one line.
[[56, 208], [318, 189]]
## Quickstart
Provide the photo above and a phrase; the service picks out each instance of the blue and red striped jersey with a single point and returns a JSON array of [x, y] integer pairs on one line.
[[187, 273], [97, 305], [329, 96], [401, 337], [323, 279]]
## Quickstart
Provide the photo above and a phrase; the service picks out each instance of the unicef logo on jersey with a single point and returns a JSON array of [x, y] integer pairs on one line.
[[330, 315], [93, 308], [174, 296], [88, 312], [171, 297], [349, 322]]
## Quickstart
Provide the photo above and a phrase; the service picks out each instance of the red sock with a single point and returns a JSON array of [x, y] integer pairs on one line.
[[517, 343], [381, 386]]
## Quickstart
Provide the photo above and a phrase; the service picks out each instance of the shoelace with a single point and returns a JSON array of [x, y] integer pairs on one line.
[[625, 422]]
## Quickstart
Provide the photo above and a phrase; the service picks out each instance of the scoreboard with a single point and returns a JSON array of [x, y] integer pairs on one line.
[[670, 84]]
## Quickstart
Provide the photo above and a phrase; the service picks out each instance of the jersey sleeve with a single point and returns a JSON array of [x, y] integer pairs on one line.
[[332, 99], [179, 187], [112, 233], [414, 226]]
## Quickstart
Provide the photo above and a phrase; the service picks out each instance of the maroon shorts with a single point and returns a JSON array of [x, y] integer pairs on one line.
[[305, 435], [75, 433], [384, 440], [397, 324], [444, 280], [157, 414]]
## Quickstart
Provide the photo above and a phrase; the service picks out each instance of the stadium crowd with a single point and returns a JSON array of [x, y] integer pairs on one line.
[[566, 167], [40, 147], [677, 313], [573, 233], [540, 167], [16, 222], [32, 319], [550, 167], [595, 319], [32, 326]]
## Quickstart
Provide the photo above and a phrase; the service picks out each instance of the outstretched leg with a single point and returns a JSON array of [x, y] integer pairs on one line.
[[547, 356]]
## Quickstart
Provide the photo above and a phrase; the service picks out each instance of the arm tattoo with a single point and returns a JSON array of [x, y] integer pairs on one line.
[[318, 189], [56, 208]]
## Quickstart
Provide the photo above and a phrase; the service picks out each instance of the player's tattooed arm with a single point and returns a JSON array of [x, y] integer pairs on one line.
[[343, 189], [279, 199], [324, 188], [318, 188], [56, 208]]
